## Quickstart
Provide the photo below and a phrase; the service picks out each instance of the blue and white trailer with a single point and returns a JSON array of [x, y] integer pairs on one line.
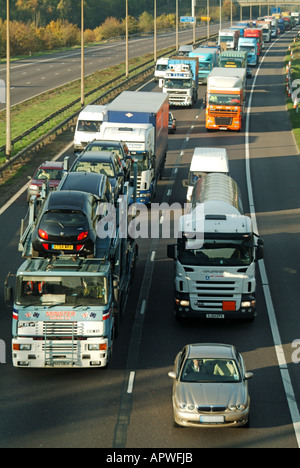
[[144, 117]]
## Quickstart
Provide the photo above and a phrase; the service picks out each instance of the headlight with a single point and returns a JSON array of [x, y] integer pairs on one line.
[[186, 407], [231, 407], [248, 303], [241, 407], [25, 347], [33, 187]]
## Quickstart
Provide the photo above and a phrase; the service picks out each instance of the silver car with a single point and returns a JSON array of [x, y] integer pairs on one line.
[[210, 386]]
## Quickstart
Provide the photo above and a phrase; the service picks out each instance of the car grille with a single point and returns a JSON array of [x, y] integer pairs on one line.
[[211, 408]]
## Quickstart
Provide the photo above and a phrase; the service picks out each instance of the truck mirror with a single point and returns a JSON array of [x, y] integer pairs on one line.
[[171, 251], [161, 82], [260, 249], [66, 163], [8, 296]]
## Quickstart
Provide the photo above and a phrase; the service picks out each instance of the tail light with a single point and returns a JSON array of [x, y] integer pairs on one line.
[[82, 235], [43, 234]]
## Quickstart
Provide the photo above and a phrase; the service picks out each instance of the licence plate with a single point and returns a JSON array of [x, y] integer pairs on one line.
[[62, 247], [215, 316], [212, 419]]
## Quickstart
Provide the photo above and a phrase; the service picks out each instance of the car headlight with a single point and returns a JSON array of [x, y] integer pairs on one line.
[[231, 407], [33, 187], [240, 407], [186, 407]]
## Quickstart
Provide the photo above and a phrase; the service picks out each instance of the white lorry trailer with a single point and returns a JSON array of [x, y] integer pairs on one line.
[[143, 108], [205, 161], [215, 255]]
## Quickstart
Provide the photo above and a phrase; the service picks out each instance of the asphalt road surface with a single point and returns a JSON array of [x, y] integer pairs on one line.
[[98, 408]]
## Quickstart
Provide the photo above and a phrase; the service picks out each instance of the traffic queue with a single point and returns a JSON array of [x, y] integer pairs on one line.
[[78, 265]]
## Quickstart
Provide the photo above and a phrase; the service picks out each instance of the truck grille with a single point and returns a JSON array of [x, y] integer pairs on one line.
[[210, 295], [223, 121], [58, 329], [61, 345]]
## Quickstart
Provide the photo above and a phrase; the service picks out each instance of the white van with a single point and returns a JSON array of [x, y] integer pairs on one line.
[[205, 161], [88, 126], [160, 68]]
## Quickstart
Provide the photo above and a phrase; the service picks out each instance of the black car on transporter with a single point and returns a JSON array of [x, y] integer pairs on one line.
[[67, 225]]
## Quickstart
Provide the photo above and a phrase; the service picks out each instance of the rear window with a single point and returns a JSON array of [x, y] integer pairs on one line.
[[63, 219]]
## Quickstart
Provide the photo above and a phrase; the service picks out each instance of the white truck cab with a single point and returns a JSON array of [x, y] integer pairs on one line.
[[88, 126]]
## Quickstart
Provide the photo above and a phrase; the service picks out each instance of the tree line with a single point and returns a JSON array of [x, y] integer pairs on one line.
[[45, 27]]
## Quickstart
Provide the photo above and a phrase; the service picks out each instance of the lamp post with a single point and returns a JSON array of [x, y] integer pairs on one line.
[[82, 54], [126, 46], [8, 126], [177, 26], [155, 32]]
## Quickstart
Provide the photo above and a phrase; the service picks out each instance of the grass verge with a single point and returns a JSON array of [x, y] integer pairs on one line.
[[293, 55]]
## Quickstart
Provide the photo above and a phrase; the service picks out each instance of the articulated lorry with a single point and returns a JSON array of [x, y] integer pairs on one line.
[[143, 124], [207, 59], [225, 100], [235, 59], [249, 45], [181, 81], [215, 255], [67, 308], [228, 39], [266, 29]]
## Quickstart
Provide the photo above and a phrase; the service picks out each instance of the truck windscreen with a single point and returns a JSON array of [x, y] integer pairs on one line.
[[215, 252], [226, 99], [178, 83], [61, 290]]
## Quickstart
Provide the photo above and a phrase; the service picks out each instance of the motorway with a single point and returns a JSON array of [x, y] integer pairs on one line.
[[128, 405], [39, 74]]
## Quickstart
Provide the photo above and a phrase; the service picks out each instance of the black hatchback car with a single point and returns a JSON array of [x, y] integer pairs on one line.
[[66, 225], [118, 147], [106, 163], [97, 184]]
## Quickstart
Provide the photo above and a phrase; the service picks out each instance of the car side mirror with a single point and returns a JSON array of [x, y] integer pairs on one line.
[[172, 375], [248, 375]]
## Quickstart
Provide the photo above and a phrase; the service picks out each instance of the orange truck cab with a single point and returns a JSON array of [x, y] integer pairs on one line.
[[225, 101]]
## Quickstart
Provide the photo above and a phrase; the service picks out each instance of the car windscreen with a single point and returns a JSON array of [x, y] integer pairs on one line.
[[48, 174], [210, 370]]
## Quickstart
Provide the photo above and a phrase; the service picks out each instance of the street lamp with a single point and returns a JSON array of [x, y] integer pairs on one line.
[[8, 126], [82, 54]]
